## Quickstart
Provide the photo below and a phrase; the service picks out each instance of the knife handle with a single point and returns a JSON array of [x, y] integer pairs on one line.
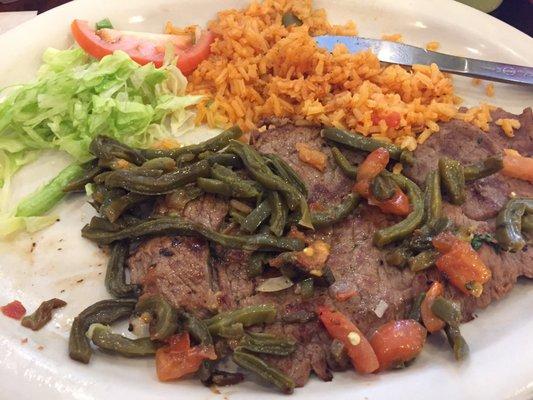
[[489, 70]]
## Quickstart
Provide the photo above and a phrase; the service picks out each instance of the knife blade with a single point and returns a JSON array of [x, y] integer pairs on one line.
[[404, 54]]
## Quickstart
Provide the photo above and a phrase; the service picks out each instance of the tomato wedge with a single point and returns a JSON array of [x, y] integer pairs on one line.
[[461, 264], [398, 342], [430, 320], [517, 166], [357, 346], [143, 48], [179, 359]]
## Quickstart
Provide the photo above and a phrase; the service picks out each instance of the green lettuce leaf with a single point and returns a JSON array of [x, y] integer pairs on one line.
[[76, 98]]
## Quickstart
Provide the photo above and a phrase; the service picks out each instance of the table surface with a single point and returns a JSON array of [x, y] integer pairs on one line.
[[518, 13]]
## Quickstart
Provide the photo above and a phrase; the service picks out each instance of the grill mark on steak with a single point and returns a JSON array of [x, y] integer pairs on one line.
[[354, 261]]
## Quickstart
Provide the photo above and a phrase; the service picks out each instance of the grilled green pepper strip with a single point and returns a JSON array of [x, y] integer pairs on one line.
[[342, 162], [254, 266], [278, 216], [509, 223], [132, 181], [247, 316], [285, 171], [42, 315], [289, 19], [405, 227], [382, 187], [102, 337], [487, 167], [457, 342], [104, 312], [179, 199], [166, 164], [336, 213], [235, 331], [115, 278], [78, 184], [266, 343], [240, 187], [415, 308], [256, 166], [104, 147], [307, 288], [262, 369], [360, 142], [214, 144], [527, 223], [423, 260], [117, 206], [256, 217], [225, 159], [165, 316], [196, 328], [178, 225], [432, 197], [399, 256], [421, 239], [214, 186], [237, 216], [452, 177], [448, 311]]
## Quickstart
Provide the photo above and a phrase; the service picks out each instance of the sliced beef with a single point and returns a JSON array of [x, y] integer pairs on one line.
[[468, 144], [185, 277], [324, 187], [179, 267]]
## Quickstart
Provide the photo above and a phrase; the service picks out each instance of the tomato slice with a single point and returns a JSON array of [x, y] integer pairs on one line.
[[179, 359], [398, 342], [143, 48], [14, 310], [357, 346]]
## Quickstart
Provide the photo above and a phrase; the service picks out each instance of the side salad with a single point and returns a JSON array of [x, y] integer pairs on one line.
[[126, 85]]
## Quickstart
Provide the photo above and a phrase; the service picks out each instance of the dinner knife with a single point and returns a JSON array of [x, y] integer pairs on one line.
[[404, 54]]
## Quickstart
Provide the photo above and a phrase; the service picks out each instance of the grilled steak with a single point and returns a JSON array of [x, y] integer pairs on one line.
[[179, 268]]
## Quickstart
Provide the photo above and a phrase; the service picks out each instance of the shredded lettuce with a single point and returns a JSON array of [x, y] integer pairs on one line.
[[76, 98]]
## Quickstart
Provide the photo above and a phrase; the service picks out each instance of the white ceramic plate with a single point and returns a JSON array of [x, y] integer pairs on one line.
[[63, 265]]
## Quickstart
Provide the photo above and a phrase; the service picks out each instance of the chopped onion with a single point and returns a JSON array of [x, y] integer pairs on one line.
[[140, 326], [275, 284], [381, 308]]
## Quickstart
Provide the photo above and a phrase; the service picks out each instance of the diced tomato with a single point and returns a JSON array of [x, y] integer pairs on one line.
[[179, 359], [461, 264], [398, 204], [430, 320], [397, 342], [371, 167], [313, 157], [143, 48], [517, 166], [357, 346], [14, 310], [391, 118]]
